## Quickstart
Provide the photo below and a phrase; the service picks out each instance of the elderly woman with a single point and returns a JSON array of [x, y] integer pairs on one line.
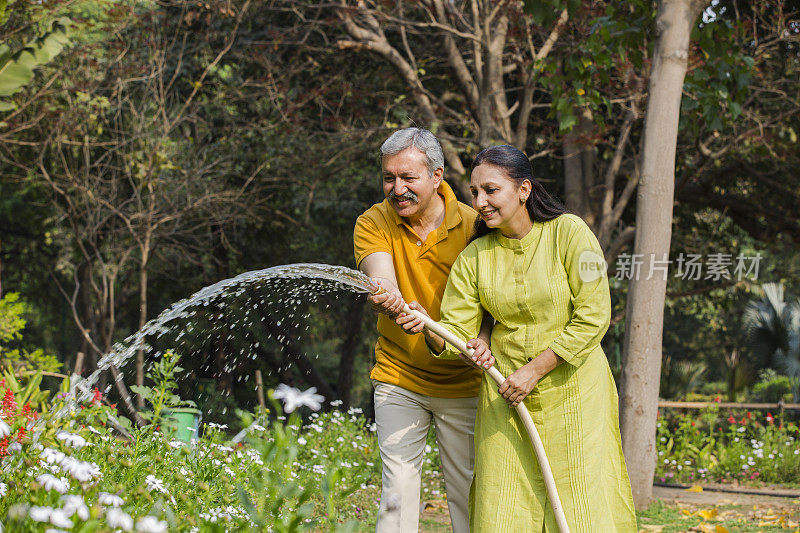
[[539, 272]]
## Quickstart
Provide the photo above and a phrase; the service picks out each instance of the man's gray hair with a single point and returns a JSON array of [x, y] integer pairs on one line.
[[421, 139]]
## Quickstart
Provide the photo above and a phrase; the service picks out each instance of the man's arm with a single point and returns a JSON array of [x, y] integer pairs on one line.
[[380, 267]]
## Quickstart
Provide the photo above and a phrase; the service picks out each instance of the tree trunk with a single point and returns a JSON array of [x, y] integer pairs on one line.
[[86, 310], [579, 178], [142, 317], [645, 304]]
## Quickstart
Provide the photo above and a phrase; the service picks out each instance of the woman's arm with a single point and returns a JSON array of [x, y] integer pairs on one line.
[[590, 298]]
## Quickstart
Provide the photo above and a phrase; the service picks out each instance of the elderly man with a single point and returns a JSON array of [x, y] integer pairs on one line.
[[407, 244]]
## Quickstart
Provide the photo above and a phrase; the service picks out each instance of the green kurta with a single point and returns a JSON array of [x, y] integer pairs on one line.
[[546, 290]]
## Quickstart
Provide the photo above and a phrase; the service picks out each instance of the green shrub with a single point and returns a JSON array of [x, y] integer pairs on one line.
[[771, 388], [713, 389], [19, 361]]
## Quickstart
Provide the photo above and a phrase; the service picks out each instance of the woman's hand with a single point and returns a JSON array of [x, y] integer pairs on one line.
[[519, 384], [410, 323], [481, 357]]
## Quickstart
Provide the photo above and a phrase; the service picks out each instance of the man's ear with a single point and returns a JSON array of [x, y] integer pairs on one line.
[[438, 175]]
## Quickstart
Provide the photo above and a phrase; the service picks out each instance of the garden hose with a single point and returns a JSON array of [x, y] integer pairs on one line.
[[522, 411]]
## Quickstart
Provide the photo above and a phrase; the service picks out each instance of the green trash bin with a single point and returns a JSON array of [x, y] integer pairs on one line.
[[187, 422]]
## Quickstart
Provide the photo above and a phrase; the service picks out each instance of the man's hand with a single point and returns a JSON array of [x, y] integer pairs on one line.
[[390, 301]]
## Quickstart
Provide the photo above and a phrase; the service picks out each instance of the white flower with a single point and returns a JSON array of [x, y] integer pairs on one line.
[[80, 470], [258, 427], [301, 441], [293, 398], [119, 519], [3, 489], [151, 524], [70, 439], [212, 425], [175, 444], [110, 499], [54, 530], [59, 519], [153, 483], [40, 514], [5, 430], [51, 482], [52, 456], [74, 504]]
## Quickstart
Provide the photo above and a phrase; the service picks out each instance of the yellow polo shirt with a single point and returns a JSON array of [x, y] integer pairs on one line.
[[421, 269]]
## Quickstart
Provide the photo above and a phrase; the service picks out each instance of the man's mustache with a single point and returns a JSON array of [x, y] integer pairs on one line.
[[408, 195]]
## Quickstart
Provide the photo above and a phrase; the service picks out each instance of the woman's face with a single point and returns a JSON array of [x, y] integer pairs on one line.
[[497, 198]]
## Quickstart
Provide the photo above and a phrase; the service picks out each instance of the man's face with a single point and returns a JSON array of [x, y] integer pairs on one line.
[[407, 183]]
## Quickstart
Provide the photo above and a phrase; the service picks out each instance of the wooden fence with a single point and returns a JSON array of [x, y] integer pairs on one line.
[[779, 407]]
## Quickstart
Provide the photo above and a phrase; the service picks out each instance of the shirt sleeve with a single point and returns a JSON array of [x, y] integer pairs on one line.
[[461, 309], [590, 300], [368, 238]]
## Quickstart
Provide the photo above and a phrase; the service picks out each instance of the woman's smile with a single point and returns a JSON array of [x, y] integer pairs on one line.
[[486, 214]]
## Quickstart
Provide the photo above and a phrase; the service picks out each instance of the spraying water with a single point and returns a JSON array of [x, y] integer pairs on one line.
[[317, 279]]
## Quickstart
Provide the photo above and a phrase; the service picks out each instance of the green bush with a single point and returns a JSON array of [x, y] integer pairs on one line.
[[771, 388], [19, 361], [713, 389]]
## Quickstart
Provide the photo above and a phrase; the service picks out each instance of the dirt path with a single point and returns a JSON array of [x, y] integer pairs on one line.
[[684, 509], [712, 498]]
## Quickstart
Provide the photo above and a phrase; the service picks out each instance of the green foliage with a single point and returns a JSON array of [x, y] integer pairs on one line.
[[712, 389], [162, 394], [11, 320], [718, 84], [746, 448], [27, 392], [270, 495], [545, 12], [771, 388], [680, 377], [288, 477], [773, 330], [17, 360], [17, 67]]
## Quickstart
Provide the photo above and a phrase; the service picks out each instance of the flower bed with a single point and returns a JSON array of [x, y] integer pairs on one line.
[[74, 473], [736, 447]]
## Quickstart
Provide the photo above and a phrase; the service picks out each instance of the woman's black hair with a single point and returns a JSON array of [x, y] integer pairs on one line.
[[540, 205]]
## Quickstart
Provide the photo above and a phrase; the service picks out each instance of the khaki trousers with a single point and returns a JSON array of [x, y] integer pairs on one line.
[[403, 418]]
